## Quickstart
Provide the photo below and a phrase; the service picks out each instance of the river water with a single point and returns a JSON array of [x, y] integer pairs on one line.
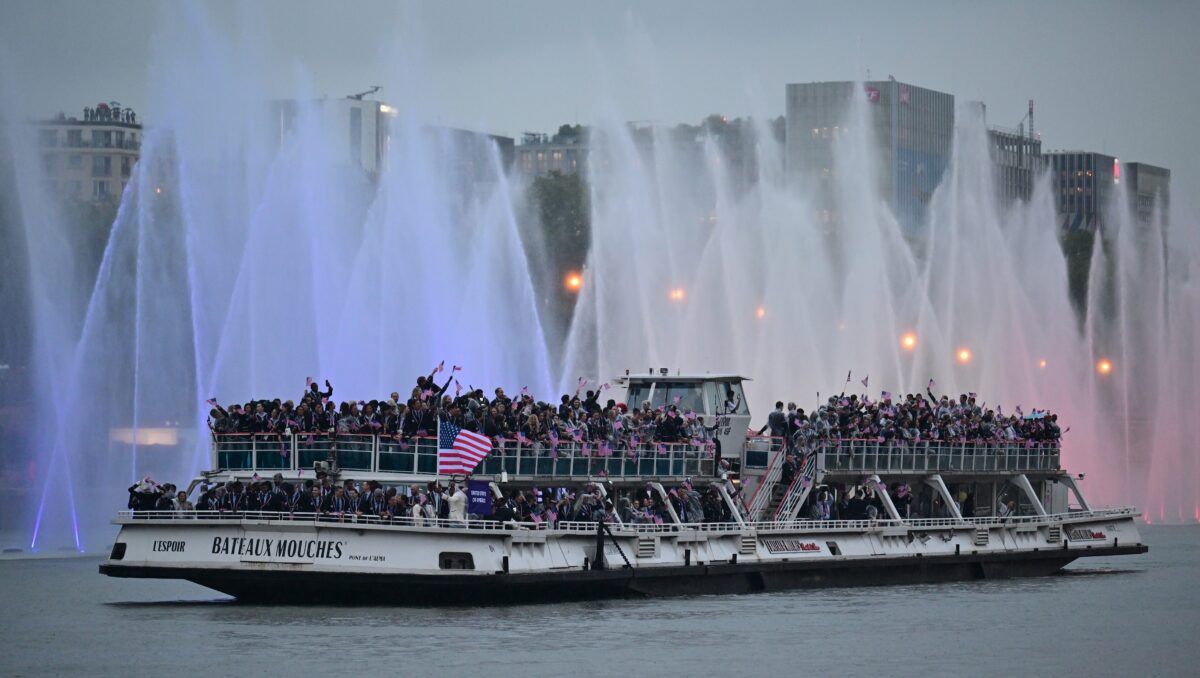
[[1134, 615]]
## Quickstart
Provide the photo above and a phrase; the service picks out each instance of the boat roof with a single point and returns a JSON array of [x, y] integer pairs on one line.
[[683, 376]]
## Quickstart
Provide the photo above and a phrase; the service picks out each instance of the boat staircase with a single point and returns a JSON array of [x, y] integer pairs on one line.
[[763, 499], [788, 503]]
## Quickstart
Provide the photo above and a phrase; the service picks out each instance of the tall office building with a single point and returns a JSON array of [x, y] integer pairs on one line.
[[912, 134], [1083, 187], [1149, 190]]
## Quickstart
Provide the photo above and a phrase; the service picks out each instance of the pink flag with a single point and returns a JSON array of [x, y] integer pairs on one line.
[[455, 368], [971, 394], [307, 382], [212, 402], [865, 380], [885, 395], [676, 399], [932, 383], [586, 450], [604, 387], [618, 424], [662, 449], [522, 438], [524, 390], [440, 367], [457, 388]]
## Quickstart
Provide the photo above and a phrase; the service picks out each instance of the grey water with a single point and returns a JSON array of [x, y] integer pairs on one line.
[[1101, 616]]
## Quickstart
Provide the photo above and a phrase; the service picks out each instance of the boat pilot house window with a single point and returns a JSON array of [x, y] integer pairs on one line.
[[664, 393], [685, 395], [726, 397]]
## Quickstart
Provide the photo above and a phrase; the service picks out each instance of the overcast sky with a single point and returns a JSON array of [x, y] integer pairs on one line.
[[1107, 76]]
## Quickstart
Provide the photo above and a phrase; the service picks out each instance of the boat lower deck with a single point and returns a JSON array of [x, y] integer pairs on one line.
[[298, 586]]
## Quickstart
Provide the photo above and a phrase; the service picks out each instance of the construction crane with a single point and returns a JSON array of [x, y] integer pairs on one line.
[[1029, 117], [360, 95]]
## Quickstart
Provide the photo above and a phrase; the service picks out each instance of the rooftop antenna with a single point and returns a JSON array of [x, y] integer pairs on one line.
[[360, 95]]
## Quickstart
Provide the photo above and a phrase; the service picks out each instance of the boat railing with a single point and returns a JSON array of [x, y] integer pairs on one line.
[[918, 524], [272, 452], [972, 456]]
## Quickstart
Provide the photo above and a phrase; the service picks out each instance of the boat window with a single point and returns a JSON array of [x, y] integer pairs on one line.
[[728, 398], [686, 395], [452, 560], [637, 393]]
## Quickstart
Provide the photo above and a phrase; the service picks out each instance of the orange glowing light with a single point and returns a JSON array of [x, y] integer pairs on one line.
[[574, 282], [1042, 363], [964, 355], [1104, 366], [677, 294], [908, 341], [760, 312], [157, 190]]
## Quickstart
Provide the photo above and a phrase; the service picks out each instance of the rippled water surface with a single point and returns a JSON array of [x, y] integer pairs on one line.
[[1136, 615]]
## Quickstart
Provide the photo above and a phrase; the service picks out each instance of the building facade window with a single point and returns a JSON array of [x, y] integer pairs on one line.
[[100, 190], [48, 138], [101, 166], [75, 161], [101, 138], [75, 138]]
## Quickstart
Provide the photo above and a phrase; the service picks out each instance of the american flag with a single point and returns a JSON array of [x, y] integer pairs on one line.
[[460, 451]]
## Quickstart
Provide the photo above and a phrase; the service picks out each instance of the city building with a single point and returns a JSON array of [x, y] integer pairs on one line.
[[361, 131], [540, 154], [912, 134], [1083, 187], [90, 159], [1149, 190], [1016, 156], [358, 128], [1017, 161]]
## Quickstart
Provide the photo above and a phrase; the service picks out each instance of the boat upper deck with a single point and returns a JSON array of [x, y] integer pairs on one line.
[[269, 453]]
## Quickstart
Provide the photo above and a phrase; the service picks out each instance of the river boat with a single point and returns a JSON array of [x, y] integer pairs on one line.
[[769, 542]]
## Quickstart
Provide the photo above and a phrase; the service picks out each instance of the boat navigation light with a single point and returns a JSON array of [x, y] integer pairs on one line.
[[676, 294], [1042, 363], [964, 355], [1104, 367], [908, 341], [574, 281], [760, 312]]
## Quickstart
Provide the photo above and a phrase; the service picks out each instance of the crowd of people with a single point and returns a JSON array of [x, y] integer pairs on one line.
[[418, 504], [580, 418], [912, 418]]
